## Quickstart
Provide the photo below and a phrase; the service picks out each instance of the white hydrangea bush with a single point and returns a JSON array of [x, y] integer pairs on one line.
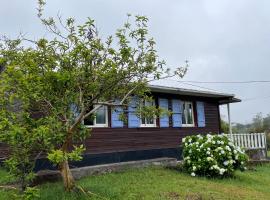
[[212, 155]]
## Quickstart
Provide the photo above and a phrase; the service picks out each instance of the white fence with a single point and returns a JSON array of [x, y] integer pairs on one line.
[[249, 140]]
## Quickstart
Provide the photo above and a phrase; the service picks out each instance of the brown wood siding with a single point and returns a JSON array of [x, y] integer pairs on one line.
[[107, 140], [3, 151]]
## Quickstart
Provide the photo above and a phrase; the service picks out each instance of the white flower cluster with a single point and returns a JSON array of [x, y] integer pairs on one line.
[[218, 169], [212, 155]]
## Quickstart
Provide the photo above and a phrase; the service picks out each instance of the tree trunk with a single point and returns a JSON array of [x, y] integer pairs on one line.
[[68, 180], [67, 176]]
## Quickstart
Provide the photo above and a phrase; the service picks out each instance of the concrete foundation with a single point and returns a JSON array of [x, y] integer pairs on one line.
[[53, 175]]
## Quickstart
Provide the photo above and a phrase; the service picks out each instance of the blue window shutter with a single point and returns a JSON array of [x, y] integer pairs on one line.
[[116, 111], [163, 120], [75, 110], [200, 114], [177, 113], [133, 120]]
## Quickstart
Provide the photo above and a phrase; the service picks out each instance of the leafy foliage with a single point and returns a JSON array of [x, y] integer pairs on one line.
[[212, 155], [224, 126], [27, 138], [49, 87], [259, 124], [268, 140], [58, 156], [31, 193]]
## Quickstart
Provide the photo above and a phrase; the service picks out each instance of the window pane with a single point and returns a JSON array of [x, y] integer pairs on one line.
[[143, 120], [184, 114], [190, 114], [89, 121], [101, 115], [148, 120]]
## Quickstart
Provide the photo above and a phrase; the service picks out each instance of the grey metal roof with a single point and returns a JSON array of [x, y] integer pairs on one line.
[[222, 98]]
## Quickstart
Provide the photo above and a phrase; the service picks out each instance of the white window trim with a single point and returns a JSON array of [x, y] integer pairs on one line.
[[192, 107], [188, 125], [149, 125], [100, 125]]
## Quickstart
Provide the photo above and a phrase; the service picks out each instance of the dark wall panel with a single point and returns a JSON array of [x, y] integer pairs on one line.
[[107, 140], [111, 140]]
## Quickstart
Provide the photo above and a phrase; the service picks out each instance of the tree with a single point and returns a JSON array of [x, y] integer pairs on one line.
[[240, 128], [224, 126], [257, 123], [266, 123], [66, 79]]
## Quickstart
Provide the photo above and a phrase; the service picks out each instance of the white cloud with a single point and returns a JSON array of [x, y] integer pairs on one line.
[[223, 40]]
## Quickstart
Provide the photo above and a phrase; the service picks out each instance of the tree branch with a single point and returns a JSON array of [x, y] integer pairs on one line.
[[52, 108], [81, 97], [100, 104], [77, 121], [7, 187], [129, 93]]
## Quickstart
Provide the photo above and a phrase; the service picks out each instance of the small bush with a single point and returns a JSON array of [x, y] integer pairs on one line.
[[212, 155], [268, 139]]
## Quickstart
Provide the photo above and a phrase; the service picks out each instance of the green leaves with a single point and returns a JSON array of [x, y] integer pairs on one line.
[[42, 80], [76, 154], [58, 156], [31, 193]]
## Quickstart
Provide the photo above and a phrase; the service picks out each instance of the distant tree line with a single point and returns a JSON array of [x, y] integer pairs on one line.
[[258, 124]]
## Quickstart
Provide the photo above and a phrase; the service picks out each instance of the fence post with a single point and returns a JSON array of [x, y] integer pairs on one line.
[[256, 140], [229, 118], [265, 144]]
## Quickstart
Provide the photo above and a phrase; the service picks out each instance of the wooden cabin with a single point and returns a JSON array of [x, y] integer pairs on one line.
[[194, 112], [112, 140]]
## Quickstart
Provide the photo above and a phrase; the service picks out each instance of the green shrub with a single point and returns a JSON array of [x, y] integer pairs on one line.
[[212, 155], [268, 140]]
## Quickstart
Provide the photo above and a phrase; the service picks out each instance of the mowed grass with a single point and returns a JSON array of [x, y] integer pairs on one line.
[[157, 183]]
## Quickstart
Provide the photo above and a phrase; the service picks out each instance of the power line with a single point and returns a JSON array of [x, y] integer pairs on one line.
[[227, 82], [200, 87], [255, 98], [194, 85], [243, 100]]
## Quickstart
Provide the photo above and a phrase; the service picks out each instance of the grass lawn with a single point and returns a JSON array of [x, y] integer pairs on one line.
[[158, 183]]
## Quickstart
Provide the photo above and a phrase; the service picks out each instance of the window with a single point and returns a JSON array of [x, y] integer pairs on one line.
[[148, 121], [187, 114], [99, 119]]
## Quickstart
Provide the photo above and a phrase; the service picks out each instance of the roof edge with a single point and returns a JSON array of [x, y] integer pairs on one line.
[[223, 98]]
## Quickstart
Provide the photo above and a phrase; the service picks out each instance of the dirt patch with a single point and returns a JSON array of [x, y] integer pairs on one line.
[[193, 197], [173, 195], [177, 196]]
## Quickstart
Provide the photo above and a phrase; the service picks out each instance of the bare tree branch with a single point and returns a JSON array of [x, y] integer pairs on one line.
[[77, 121], [110, 104], [129, 93], [81, 97], [8, 187], [99, 105], [64, 119], [59, 17]]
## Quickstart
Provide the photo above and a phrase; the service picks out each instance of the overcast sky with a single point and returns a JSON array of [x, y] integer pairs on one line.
[[224, 40]]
